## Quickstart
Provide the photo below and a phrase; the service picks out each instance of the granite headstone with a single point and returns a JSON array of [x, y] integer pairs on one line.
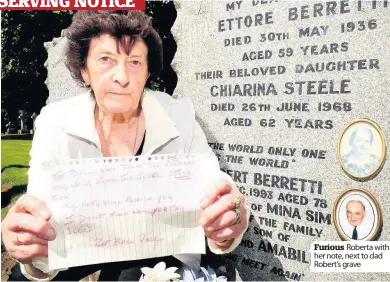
[[274, 83], [59, 81]]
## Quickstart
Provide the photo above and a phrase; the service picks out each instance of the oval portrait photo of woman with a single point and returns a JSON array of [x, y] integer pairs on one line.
[[362, 149], [357, 215]]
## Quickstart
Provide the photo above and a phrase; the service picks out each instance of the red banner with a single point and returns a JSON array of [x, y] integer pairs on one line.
[[72, 4]]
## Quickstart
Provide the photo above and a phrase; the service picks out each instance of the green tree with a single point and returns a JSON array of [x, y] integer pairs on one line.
[[23, 56]]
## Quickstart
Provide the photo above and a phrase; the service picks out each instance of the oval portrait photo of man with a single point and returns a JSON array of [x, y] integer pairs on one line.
[[362, 149], [357, 215]]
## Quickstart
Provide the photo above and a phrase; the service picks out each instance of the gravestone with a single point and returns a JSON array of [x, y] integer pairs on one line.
[[33, 118], [59, 81], [274, 83], [23, 123], [10, 128], [240, 63]]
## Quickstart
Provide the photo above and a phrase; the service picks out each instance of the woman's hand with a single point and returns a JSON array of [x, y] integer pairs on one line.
[[26, 229], [224, 215]]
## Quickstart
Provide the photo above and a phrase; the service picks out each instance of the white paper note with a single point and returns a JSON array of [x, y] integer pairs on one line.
[[117, 209]]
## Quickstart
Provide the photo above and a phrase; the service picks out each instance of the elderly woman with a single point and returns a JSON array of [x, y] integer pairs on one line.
[[114, 54]]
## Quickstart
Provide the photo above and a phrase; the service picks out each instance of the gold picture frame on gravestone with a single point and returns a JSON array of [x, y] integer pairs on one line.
[[357, 215], [361, 149]]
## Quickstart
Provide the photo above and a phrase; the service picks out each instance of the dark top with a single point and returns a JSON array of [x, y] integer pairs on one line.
[[141, 147]]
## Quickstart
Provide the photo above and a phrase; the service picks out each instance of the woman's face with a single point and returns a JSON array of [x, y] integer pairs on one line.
[[117, 79], [362, 143]]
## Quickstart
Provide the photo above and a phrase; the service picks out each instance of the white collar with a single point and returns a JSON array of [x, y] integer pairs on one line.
[[160, 128]]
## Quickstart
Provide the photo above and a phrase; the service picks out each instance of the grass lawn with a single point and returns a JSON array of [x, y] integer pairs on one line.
[[14, 160], [14, 165]]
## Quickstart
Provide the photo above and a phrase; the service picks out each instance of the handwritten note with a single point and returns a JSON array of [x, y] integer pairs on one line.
[[117, 209]]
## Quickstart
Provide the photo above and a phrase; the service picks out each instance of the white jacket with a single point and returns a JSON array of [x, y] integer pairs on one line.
[[66, 130]]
